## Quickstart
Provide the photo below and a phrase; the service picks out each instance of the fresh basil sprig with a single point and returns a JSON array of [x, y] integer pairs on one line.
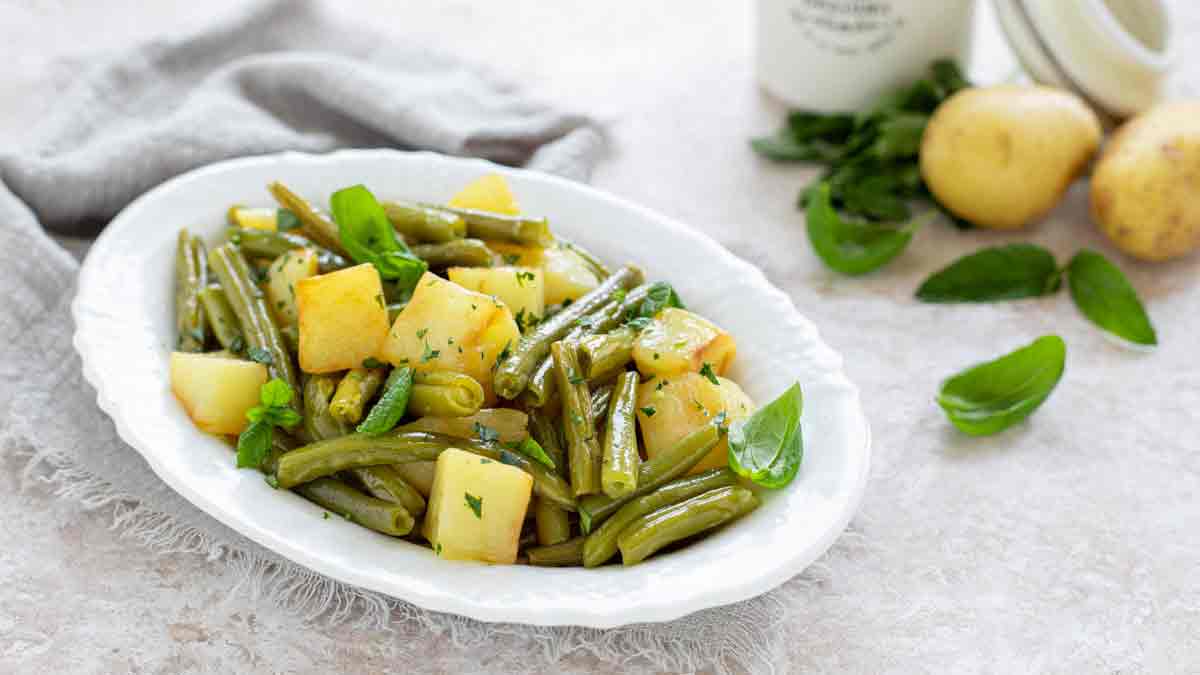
[[852, 247], [660, 296], [1105, 296], [992, 396], [254, 443], [997, 273], [768, 446], [368, 236]]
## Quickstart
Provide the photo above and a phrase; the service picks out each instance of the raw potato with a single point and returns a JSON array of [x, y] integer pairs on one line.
[[476, 508], [523, 289], [568, 275], [678, 341], [343, 318], [282, 276], [1002, 157], [447, 327], [684, 404], [487, 193], [1146, 186], [215, 390]]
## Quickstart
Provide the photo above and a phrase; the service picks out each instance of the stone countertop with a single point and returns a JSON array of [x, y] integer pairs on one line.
[[1063, 545]]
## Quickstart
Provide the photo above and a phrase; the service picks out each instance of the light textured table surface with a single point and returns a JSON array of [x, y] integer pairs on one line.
[[1064, 545]]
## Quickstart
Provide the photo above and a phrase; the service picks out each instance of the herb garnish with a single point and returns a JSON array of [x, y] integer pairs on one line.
[[996, 273], [992, 396], [767, 447], [368, 236], [707, 371], [486, 434], [260, 355], [372, 362], [1106, 297], [475, 504], [648, 411], [254, 443]]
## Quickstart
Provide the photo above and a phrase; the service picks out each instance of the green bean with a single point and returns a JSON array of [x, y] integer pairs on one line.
[[313, 224], [457, 253], [390, 407], [568, 553], [540, 389], [553, 525], [258, 327], [291, 338], [512, 375], [664, 467], [319, 423], [488, 225], [583, 450], [599, 403], [385, 483], [418, 222], [268, 244], [686, 519], [601, 544], [190, 271], [356, 388], [280, 445], [445, 394], [618, 470], [370, 512], [325, 458], [601, 356], [548, 434], [598, 268], [420, 475], [221, 319]]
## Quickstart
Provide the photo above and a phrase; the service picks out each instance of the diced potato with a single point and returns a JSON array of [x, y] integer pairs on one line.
[[568, 276], [487, 193], [683, 404], [476, 508], [215, 390], [678, 341], [255, 219], [517, 254], [285, 271], [447, 327], [343, 318], [511, 425], [521, 288]]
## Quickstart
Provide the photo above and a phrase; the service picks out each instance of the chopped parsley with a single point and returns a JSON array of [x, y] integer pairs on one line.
[[660, 385], [512, 258], [475, 504], [325, 515], [260, 355], [680, 344], [372, 362], [422, 332], [429, 354], [707, 371], [648, 411], [379, 299], [237, 344], [525, 276], [504, 354], [486, 434]]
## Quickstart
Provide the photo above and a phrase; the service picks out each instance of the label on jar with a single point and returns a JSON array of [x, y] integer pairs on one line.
[[847, 27]]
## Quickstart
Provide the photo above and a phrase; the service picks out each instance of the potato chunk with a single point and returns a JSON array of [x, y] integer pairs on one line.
[[476, 508], [678, 341], [521, 288], [568, 276], [282, 275], [254, 218], [487, 193], [523, 255], [671, 408], [447, 327], [343, 318], [216, 390]]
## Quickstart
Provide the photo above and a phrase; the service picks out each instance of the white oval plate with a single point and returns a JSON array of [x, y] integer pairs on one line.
[[124, 334]]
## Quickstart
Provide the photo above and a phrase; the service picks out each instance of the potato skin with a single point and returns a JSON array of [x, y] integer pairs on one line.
[[1001, 157], [1146, 187]]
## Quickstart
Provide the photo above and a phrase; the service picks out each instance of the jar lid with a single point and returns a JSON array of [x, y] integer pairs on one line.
[[1115, 54]]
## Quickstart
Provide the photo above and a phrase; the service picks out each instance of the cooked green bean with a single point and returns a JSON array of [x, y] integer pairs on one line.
[[445, 394], [568, 553], [221, 319], [268, 244], [390, 407], [370, 512], [356, 388], [280, 445], [664, 467], [598, 267], [686, 519], [258, 326], [583, 449], [600, 397], [512, 375], [319, 424], [420, 475], [548, 434], [457, 253], [291, 338], [601, 544], [385, 483], [601, 356], [420, 223], [313, 224], [618, 470], [190, 271], [553, 525], [488, 225]]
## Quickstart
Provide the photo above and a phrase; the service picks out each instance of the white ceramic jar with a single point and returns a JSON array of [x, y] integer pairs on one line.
[[841, 55]]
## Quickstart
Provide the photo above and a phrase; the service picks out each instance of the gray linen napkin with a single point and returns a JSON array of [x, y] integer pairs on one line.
[[139, 117]]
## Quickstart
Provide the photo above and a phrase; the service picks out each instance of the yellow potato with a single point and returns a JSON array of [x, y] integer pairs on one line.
[[1003, 156], [517, 254], [343, 318], [523, 289], [671, 408], [254, 218], [678, 341], [487, 193], [476, 508], [282, 276], [216, 390], [568, 276], [1146, 187]]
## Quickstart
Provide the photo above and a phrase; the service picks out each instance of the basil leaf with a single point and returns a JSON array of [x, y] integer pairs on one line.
[[368, 236], [851, 247], [997, 273], [899, 136], [392, 404], [253, 444], [275, 394], [660, 296], [1107, 298], [807, 126], [783, 147], [992, 396], [765, 447], [946, 75]]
